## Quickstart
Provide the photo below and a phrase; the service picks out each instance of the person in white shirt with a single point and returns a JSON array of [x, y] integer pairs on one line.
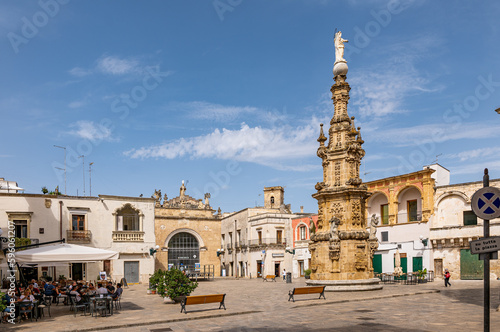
[[102, 290]]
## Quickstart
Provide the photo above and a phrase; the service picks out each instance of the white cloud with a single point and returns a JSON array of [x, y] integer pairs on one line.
[[203, 110], [434, 133], [208, 111], [382, 89], [477, 168], [484, 153], [276, 147], [116, 66], [91, 131]]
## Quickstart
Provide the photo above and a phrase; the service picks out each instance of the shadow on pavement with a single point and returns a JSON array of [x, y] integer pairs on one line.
[[473, 296]]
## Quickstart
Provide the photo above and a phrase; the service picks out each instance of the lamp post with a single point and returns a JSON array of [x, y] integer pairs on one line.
[[424, 240], [90, 178]]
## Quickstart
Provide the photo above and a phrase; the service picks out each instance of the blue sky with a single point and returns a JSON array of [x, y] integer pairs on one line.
[[228, 94]]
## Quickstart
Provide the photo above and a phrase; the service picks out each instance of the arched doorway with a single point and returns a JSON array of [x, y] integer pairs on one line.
[[183, 251]]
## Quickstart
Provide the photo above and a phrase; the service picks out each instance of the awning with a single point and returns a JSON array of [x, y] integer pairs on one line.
[[64, 252]]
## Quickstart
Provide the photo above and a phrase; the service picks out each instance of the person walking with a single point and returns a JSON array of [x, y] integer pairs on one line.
[[447, 276], [284, 274]]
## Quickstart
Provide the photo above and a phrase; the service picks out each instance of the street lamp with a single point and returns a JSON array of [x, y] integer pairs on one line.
[[290, 251], [424, 240], [152, 251]]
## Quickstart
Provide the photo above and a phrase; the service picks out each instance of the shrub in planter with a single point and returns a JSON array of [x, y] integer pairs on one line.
[[175, 285], [155, 279], [307, 273]]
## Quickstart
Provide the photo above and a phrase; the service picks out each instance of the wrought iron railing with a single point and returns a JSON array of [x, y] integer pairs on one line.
[[409, 217], [267, 241], [79, 236]]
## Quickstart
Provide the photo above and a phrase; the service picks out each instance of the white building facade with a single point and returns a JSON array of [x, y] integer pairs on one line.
[[253, 240], [454, 226], [121, 224]]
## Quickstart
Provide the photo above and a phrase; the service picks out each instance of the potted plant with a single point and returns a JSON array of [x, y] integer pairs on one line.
[[307, 273], [154, 280], [175, 285], [421, 274]]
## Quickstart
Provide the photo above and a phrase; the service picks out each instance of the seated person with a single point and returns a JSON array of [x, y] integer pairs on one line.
[[102, 291], [110, 287], [118, 292], [91, 290], [7, 310], [49, 289], [33, 290], [77, 293], [27, 297]]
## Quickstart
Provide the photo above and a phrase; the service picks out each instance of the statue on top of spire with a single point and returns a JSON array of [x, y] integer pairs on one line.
[[339, 47]]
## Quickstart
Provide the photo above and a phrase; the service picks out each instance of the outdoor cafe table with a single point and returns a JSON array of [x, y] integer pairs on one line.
[[107, 299]]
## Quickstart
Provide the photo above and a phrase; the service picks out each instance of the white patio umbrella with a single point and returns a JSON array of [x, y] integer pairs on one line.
[[397, 264], [64, 252]]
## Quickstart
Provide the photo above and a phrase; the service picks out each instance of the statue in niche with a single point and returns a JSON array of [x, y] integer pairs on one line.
[[334, 229], [373, 228], [339, 47]]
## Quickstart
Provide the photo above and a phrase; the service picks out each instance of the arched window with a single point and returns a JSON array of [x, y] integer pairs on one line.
[[127, 219], [183, 251], [302, 232]]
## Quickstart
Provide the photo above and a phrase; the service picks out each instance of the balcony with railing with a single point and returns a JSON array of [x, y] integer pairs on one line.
[[79, 236], [413, 216], [266, 242], [128, 236]]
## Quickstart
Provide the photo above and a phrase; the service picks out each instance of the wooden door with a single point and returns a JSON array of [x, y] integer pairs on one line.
[[471, 268], [438, 267]]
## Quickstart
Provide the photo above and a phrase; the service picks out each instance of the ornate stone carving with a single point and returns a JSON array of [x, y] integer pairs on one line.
[[373, 228], [337, 173], [356, 213], [334, 250], [361, 261], [48, 203], [354, 235], [319, 186]]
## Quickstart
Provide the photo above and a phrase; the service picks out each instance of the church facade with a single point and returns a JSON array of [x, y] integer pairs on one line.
[[187, 232]]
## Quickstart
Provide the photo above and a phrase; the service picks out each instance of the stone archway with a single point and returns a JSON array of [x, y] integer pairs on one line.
[[183, 251]]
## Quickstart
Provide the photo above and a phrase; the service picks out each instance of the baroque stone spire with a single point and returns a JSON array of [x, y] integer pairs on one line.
[[341, 249]]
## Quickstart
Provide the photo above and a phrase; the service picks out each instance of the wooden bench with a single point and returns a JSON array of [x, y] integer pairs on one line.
[[269, 277], [307, 290], [202, 299]]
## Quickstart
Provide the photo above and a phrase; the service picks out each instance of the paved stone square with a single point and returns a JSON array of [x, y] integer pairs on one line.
[[254, 305]]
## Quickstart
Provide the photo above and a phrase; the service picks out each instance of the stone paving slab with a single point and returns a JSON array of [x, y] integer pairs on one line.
[[253, 304]]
